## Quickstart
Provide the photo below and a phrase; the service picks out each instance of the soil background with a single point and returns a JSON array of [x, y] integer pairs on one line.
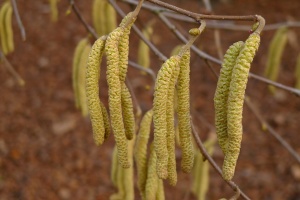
[[46, 146]]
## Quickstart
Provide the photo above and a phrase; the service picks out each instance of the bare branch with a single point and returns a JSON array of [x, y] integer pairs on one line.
[[18, 18]]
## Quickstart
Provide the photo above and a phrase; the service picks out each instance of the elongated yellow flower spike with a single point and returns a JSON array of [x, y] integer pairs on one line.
[[159, 115], [114, 90], [172, 173], [127, 111], [54, 10], [76, 60], [222, 91], [99, 16], [92, 90], [237, 89], [140, 151], [160, 194], [184, 121], [114, 167], [297, 73], [81, 76], [9, 30], [105, 120], [110, 19], [5, 27], [152, 178]]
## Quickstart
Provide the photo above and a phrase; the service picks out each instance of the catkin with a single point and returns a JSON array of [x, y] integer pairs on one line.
[[159, 115], [152, 178], [92, 90], [114, 167], [54, 10], [172, 174], [9, 30], [99, 16], [81, 76], [237, 89], [114, 90], [140, 152], [110, 17], [3, 27], [127, 111], [275, 55], [160, 194], [297, 74], [105, 120], [222, 91], [144, 50], [76, 60], [184, 121]]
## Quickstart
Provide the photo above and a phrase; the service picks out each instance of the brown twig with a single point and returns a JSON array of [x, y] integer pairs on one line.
[[213, 163], [18, 18]]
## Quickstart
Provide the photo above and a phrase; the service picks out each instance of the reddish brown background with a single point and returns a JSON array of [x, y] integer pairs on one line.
[[46, 146]]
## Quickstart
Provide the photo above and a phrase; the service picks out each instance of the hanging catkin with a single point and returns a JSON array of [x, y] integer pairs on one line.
[[172, 174], [184, 121], [222, 91], [127, 111], [98, 16], [140, 151], [159, 115], [237, 89], [297, 73], [106, 121], [6, 31], [152, 178], [114, 93], [92, 90]]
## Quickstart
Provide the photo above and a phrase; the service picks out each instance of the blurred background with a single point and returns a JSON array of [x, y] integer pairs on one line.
[[46, 146]]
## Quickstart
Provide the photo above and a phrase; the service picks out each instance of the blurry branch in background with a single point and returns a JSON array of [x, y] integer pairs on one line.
[[19, 21], [11, 69]]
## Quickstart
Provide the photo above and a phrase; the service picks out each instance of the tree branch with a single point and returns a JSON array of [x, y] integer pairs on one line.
[[19, 21]]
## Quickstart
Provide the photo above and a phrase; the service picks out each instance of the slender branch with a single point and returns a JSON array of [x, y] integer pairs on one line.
[[199, 17], [213, 163], [11, 69], [18, 18], [79, 16], [147, 70]]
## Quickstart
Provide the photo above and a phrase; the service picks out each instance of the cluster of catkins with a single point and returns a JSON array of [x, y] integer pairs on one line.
[[6, 31], [229, 98]]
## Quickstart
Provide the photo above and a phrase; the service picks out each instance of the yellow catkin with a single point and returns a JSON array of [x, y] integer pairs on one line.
[[184, 121], [99, 16], [159, 115], [3, 34], [110, 17], [160, 194], [82, 65], [127, 111], [172, 174], [152, 178], [275, 55], [114, 167], [237, 89], [114, 93], [222, 91], [105, 120], [92, 90], [9, 30], [76, 60], [54, 10], [140, 151], [297, 73], [143, 49]]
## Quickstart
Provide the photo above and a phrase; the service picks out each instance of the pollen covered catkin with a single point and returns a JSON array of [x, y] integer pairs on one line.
[[140, 151], [9, 30], [237, 89], [222, 91], [6, 28], [184, 120], [172, 174], [105, 120], [114, 93], [160, 194], [159, 115], [127, 111], [297, 73], [99, 18], [152, 178], [92, 90]]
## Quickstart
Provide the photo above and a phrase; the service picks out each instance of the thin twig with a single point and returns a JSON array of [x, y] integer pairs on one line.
[[213, 163], [11, 69], [18, 18], [271, 130], [147, 70]]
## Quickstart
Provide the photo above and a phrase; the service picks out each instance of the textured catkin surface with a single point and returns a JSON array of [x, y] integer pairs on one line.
[[92, 90], [114, 93], [222, 91], [99, 18], [152, 178], [140, 152], [3, 26], [172, 174], [160, 194], [127, 111], [235, 103], [159, 115], [184, 121], [105, 120]]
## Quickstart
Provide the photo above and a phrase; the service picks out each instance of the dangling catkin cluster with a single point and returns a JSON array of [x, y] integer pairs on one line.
[[229, 98], [6, 31], [174, 70], [54, 10]]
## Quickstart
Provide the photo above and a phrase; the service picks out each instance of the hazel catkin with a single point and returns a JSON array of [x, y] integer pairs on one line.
[[222, 91], [237, 89], [127, 111], [92, 90]]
